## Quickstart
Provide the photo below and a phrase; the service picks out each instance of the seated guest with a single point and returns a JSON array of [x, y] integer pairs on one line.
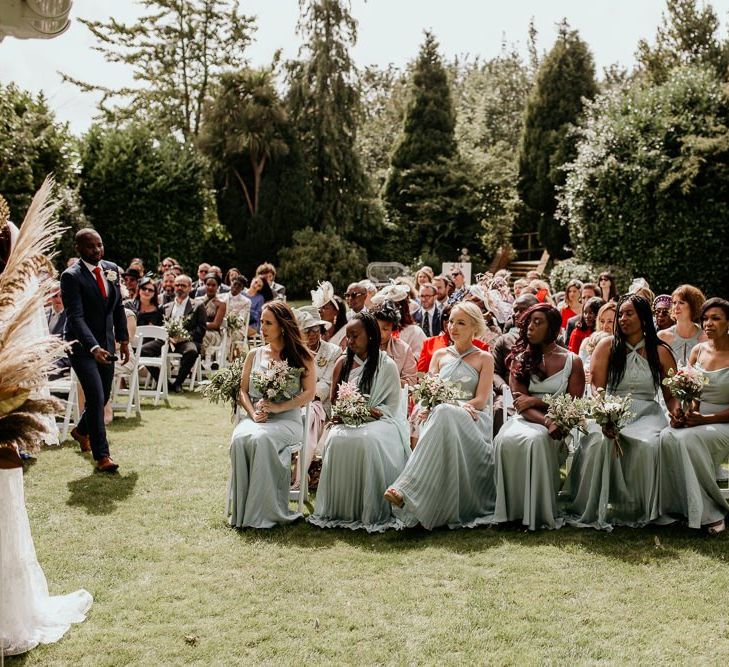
[[572, 304], [165, 265], [331, 309], [686, 303], [260, 475], [166, 288], [519, 285], [429, 313], [387, 315], [698, 440], [215, 308], [230, 275], [371, 291], [501, 350], [605, 327], [449, 478], [424, 276], [443, 339], [361, 462], [409, 332], [267, 272], [443, 289], [238, 304], [588, 291], [199, 285], [195, 321], [608, 287], [459, 286], [614, 476], [527, 449], [662, 312], [256, 298], [56, 318], [586, 323], [355, 298], [132, 276], [325, 356], [145, 306], [222, 287]]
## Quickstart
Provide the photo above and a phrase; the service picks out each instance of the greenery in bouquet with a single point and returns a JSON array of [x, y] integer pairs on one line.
[[613, 412], [177, 328], [224, 385], [233, 322], [568, 413], [686, 384], [433, 390], [278, 382], [351, 405]]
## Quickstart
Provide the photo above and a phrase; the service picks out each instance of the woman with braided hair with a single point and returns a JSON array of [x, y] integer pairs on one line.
[[614, 476], [527, 448]]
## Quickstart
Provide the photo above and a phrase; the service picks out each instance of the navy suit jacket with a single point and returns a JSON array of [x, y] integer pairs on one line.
[[91, 319]]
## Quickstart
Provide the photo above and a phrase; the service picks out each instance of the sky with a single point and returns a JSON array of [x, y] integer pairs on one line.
[[390, 31]]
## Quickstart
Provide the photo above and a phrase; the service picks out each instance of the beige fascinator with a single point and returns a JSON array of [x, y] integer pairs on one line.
[[308, 316], [391, 293], [323, 295]]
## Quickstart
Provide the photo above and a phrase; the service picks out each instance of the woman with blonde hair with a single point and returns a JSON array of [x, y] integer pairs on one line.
[[449, 478], [423, 276]]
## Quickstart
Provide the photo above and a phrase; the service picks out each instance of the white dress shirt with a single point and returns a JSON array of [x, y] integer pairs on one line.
[[91, 268], [178, 310]]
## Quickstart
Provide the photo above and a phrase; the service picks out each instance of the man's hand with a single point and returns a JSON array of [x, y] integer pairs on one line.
[[101, 356], [124, 350]]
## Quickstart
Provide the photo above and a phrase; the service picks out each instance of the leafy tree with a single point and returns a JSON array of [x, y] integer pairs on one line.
[[175, 50], [243, 126], [428, 194], [688, 36], [566, 77], [317, 256], [649, 189], [146, 195], [324, 101]]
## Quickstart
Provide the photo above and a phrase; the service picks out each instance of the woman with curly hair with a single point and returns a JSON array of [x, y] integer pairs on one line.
[[527, 448], [614, 476], [682, 337]]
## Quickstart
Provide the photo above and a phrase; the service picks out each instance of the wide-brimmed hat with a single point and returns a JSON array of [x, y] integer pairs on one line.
[[391, 293], [308, 317]]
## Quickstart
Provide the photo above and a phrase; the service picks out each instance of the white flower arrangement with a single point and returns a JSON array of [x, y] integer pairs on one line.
[[111, 275], [433, 390], [611, 411], [568, 413], [277, 383], [686, 384]]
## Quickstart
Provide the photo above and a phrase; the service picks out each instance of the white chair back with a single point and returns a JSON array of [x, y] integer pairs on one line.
[[404, 394], [150, 331]]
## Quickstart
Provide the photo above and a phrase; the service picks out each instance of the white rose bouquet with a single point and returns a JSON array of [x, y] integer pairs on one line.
[[233, 322], [568, 413], [351, 405], [612, 412], [177, 329], [433, 390]]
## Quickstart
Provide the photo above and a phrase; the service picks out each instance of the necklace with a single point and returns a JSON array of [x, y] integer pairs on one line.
[[549, 350]]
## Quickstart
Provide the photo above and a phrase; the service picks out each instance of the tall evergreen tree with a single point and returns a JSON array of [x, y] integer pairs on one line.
[[324, 101], [428, 194], [566, 77]]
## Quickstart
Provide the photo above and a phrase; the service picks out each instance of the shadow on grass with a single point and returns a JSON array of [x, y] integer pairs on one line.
[[653, 544], [100, 493]]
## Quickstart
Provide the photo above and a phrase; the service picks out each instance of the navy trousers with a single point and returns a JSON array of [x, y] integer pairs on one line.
[[96, 382]]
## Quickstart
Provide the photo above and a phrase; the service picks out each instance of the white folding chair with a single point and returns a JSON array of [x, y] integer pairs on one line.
[[404, 394], [299, 448], [66, 389], [160, 362], [127, 398], [215, 354], [507, 403], [173, 365]]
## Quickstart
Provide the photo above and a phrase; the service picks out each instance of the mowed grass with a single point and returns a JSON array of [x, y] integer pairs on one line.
[[174, 585]]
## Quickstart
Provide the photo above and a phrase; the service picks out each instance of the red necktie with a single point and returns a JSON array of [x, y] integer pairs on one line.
[[100, 281]]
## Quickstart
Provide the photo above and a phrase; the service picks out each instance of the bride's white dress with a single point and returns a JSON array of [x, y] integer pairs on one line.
[[28, 615]]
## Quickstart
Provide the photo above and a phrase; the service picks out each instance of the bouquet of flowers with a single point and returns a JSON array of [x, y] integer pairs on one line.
[[686, 384], [224, 385], [613, 411], [433, 390], [177, 329], [568, 413], [233, 322], [351, 406], [276, 383]]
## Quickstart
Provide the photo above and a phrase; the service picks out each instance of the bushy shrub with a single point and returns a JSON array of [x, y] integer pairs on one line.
[[649, 189], [569, 269], [315, 256]]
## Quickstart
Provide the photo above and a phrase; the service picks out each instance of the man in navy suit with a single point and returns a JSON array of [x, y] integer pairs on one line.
[[95, 319]]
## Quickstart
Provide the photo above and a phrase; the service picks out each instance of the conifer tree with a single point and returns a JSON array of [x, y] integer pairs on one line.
[[566, 77]]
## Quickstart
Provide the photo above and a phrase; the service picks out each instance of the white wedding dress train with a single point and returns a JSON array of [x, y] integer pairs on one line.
[[28, 614]]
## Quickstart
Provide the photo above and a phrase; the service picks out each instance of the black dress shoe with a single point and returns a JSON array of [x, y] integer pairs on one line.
[[177, 389]]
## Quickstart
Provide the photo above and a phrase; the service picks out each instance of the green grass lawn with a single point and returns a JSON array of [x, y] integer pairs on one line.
[[174, 585]]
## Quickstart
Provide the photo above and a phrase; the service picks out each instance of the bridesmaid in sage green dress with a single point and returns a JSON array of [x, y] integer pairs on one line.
[[260, 455], [527, 448], [609, 488], [698, 441], [448, 480], [360, 462]]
